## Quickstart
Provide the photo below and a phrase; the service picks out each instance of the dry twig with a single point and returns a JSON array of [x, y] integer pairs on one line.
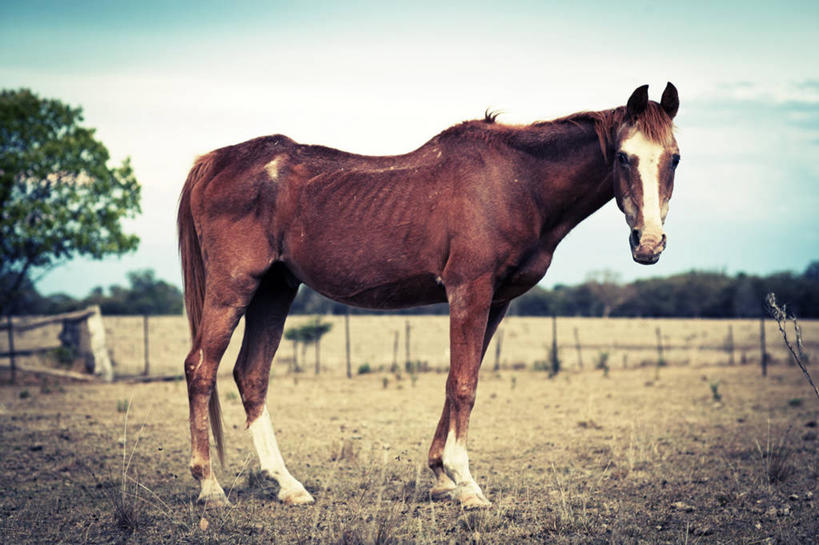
[[780, 314]]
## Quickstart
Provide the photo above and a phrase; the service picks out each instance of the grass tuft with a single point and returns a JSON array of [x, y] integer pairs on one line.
[[717, 397], [776, 457]]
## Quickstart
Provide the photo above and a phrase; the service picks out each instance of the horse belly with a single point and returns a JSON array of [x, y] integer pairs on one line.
[[374, 274], [402, 293]]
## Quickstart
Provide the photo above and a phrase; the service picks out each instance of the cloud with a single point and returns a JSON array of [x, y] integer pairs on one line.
[[777, 92], [809, 84]]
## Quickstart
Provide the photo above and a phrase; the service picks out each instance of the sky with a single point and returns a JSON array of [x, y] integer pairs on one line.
[[164, 82]]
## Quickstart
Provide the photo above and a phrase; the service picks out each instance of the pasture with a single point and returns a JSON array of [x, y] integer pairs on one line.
[[642, 455]]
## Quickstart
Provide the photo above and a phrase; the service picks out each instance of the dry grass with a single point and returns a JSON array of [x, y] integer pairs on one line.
[[580, 458]]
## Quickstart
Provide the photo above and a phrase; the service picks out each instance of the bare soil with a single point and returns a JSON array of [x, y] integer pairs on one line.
[[639, 456]]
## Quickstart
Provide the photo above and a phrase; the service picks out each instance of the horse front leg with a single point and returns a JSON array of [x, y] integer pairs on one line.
[[444, 486], [469, 315]]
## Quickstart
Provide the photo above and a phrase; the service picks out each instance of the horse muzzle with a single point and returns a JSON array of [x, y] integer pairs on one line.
[[646, 247]]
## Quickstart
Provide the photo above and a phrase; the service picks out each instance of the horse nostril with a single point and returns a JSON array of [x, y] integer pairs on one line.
[[635, 237]]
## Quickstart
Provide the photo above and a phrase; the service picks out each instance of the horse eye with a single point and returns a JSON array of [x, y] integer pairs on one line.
[[622, 158], [675, 160]]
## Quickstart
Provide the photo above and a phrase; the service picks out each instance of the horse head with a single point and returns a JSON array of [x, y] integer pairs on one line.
[[646, 158]]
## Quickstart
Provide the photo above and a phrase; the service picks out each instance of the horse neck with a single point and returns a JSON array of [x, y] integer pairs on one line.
[[570, 173]]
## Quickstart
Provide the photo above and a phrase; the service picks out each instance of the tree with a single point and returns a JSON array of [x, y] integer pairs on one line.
[[59, 199], [812, 272], [307, 334], [605, 286], [147, 295]]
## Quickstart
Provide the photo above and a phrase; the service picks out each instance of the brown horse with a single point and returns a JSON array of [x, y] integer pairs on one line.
[[472, 218]]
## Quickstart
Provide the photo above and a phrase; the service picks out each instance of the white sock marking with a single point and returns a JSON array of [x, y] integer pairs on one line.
[[456, 464], [270, 458]]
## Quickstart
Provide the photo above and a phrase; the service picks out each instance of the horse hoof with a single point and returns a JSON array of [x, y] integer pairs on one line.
[[472, 500], [214, 500], [296, 497], [442, 492]]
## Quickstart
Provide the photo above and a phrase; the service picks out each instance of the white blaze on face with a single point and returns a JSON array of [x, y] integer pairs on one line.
[[648, 167]]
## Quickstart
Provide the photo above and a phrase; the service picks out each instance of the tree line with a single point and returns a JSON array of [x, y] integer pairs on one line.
[[145, 294], [693, 294]]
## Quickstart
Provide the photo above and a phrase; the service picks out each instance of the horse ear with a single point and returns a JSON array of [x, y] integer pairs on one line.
[[638, 101], [670, 101]]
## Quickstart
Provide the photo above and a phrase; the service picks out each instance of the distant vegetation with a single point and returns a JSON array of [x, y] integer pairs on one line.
[[145, 295], [693, 294], [689, 295]]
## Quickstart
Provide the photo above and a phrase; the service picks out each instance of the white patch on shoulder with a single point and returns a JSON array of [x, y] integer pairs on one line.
[[649, 154], [272, 169]]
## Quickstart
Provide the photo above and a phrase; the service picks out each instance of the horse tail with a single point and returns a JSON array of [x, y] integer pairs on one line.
[[193, 266], [193, 276]]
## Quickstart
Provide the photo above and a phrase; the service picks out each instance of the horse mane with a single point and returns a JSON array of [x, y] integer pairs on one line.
[[490, 116], [654, 123]]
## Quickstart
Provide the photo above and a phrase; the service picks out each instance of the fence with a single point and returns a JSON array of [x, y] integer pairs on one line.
[[75, 339], [133, 346], [384, 341]]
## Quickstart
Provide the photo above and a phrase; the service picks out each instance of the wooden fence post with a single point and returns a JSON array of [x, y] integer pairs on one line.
[[731, 344], [347, 343], [498, 343], [12, 363], [660, 358], [318, 363], [408, 363], [147, 369], [555, 361], [395, 352], [579, 353], [762, 346]]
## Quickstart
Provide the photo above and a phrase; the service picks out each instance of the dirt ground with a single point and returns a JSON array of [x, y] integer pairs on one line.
[[634, 457]]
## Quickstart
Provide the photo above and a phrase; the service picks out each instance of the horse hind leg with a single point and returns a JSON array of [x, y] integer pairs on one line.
[[264, 322], [444, 486], [201, 365]]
